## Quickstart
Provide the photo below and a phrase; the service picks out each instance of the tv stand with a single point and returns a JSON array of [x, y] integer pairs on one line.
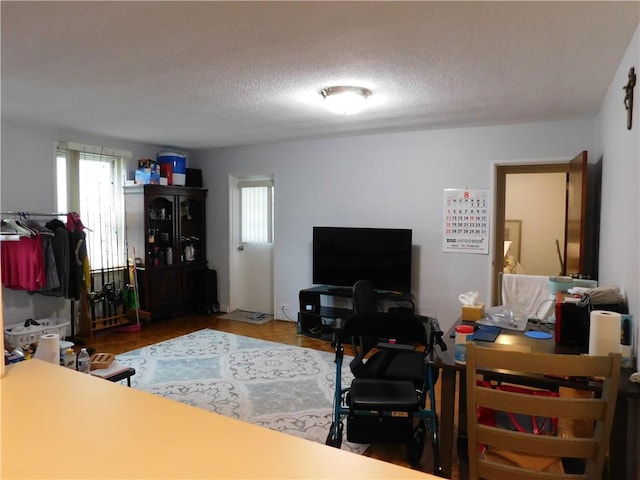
[[317, 320]]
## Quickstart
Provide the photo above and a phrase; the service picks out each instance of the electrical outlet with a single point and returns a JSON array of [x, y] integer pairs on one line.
[[284, 306]]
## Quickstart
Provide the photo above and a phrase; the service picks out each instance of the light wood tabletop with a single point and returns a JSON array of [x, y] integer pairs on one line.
[[59, 423]]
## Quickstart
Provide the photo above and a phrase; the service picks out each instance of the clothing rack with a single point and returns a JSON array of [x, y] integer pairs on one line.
[[33, 214], [50, 214]]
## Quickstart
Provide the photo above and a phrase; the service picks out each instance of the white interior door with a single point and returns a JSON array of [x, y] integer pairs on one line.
[[254, 247], [255, 276]]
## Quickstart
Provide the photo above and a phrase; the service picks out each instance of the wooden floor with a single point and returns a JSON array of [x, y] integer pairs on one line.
[[112, 341]]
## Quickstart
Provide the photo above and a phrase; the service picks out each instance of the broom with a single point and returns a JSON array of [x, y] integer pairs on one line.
[[136, 327]]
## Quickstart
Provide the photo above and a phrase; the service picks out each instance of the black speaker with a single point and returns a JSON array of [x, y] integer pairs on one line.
[[572, 326], [193, 178], [573, 323], [309, 302]]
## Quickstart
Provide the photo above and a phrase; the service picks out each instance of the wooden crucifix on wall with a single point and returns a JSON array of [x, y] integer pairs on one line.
[[628, 96]]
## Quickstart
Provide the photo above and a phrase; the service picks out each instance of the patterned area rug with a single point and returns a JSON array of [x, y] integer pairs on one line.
[[281, 387]]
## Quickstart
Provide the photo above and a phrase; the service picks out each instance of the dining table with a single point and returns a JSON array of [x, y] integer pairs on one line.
[[623, 449]]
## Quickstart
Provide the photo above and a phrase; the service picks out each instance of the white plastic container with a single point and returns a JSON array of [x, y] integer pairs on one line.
[[464, 334], [69, 358], [18, 335]]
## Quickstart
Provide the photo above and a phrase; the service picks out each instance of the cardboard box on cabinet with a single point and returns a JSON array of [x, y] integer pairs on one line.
[[148, 175]]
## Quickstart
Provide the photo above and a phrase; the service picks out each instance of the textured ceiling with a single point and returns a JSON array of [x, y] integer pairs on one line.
[[208, 74]]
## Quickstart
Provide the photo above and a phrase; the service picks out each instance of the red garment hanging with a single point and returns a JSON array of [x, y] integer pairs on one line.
[[23, 265], [74, 222]]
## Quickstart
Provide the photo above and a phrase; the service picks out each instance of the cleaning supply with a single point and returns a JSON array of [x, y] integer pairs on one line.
[[69, 358]]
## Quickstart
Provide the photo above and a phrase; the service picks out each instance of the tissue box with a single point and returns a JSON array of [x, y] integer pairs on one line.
[[472, 313]]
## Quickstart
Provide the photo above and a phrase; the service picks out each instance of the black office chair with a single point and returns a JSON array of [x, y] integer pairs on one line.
[[386, 403], [364, 297], [365, 301]]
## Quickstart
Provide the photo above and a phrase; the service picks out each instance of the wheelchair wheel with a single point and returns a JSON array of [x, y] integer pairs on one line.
[[415, 446], [337, 441]]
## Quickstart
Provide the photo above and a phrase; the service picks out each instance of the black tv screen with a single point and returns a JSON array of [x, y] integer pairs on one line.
[[344, 255]]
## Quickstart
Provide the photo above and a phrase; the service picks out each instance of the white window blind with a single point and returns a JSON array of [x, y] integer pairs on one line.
[[256, 212], [90, 183]]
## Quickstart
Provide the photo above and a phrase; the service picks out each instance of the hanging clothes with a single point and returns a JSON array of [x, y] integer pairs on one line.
[[51, 269], [60, 244], [51, 259], [78, 254], [23, 265]]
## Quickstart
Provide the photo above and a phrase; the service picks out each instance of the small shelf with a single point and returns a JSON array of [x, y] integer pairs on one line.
[[102, 323]]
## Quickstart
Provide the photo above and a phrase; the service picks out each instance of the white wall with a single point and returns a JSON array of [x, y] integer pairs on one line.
[[28, 184], [620, 149], [534, 198], [619, 233], [388, 180]]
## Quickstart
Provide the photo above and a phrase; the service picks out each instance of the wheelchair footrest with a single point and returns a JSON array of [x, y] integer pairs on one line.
[[384, 395]]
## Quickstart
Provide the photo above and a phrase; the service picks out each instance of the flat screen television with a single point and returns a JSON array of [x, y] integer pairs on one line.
[[344, 255]]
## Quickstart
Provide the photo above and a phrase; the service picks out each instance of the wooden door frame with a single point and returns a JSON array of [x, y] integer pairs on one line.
[[501, 172]]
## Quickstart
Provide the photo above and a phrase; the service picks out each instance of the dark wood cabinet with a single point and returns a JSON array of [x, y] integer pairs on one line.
[[166, 237]]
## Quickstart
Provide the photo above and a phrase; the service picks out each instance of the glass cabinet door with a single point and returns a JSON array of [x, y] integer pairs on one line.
[[160, 232], [192, 232]]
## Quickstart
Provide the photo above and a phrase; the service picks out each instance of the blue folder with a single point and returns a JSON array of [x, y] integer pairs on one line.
[[484, 333]]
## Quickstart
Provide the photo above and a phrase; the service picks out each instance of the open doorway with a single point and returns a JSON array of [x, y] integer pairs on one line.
[[550, 214]]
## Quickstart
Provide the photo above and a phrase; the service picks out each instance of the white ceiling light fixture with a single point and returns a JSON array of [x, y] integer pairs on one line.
[[345, 100]]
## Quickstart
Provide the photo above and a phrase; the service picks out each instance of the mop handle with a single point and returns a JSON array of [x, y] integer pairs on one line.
[[135, 286]]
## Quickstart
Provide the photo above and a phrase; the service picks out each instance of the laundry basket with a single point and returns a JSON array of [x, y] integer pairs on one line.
[[20, 335]]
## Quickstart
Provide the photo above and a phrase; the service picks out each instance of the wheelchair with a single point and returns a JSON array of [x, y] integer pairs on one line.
[[393, 379]]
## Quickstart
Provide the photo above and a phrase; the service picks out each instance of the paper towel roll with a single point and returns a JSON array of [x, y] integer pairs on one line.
[[604, 332], [49, 348]]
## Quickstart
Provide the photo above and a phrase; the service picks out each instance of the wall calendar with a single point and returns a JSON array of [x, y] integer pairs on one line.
[[466, 221]]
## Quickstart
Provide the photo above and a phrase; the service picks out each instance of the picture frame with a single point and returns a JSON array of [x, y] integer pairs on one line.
[[513, 233]]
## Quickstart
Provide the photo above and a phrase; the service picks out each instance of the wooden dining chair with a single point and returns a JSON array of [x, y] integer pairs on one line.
[[488, 443]]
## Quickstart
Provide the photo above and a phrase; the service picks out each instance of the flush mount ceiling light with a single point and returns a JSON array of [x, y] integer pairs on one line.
[[345, 100]]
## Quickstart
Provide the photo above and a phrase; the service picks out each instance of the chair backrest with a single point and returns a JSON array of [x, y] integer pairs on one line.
[[364, 297], [597, 410], [403, 327], [367, 329]]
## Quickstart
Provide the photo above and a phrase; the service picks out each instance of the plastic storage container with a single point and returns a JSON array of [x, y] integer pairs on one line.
[[20, 335], [464, 334], [560, 284], [178, 162]]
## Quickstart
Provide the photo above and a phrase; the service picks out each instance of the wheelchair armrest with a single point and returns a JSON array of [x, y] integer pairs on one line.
[[397, 347]]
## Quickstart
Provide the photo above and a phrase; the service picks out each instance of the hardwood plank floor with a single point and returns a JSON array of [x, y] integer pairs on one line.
[[112, 341]]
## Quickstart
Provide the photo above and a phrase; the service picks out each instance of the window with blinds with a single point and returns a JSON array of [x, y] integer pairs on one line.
[[256, 213], [90, 183]]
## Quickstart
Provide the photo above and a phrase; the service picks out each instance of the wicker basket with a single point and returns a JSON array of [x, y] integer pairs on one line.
[[18, 336]]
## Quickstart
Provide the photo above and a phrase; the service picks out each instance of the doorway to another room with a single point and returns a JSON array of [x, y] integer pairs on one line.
[[251, 248], [547, 219]]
